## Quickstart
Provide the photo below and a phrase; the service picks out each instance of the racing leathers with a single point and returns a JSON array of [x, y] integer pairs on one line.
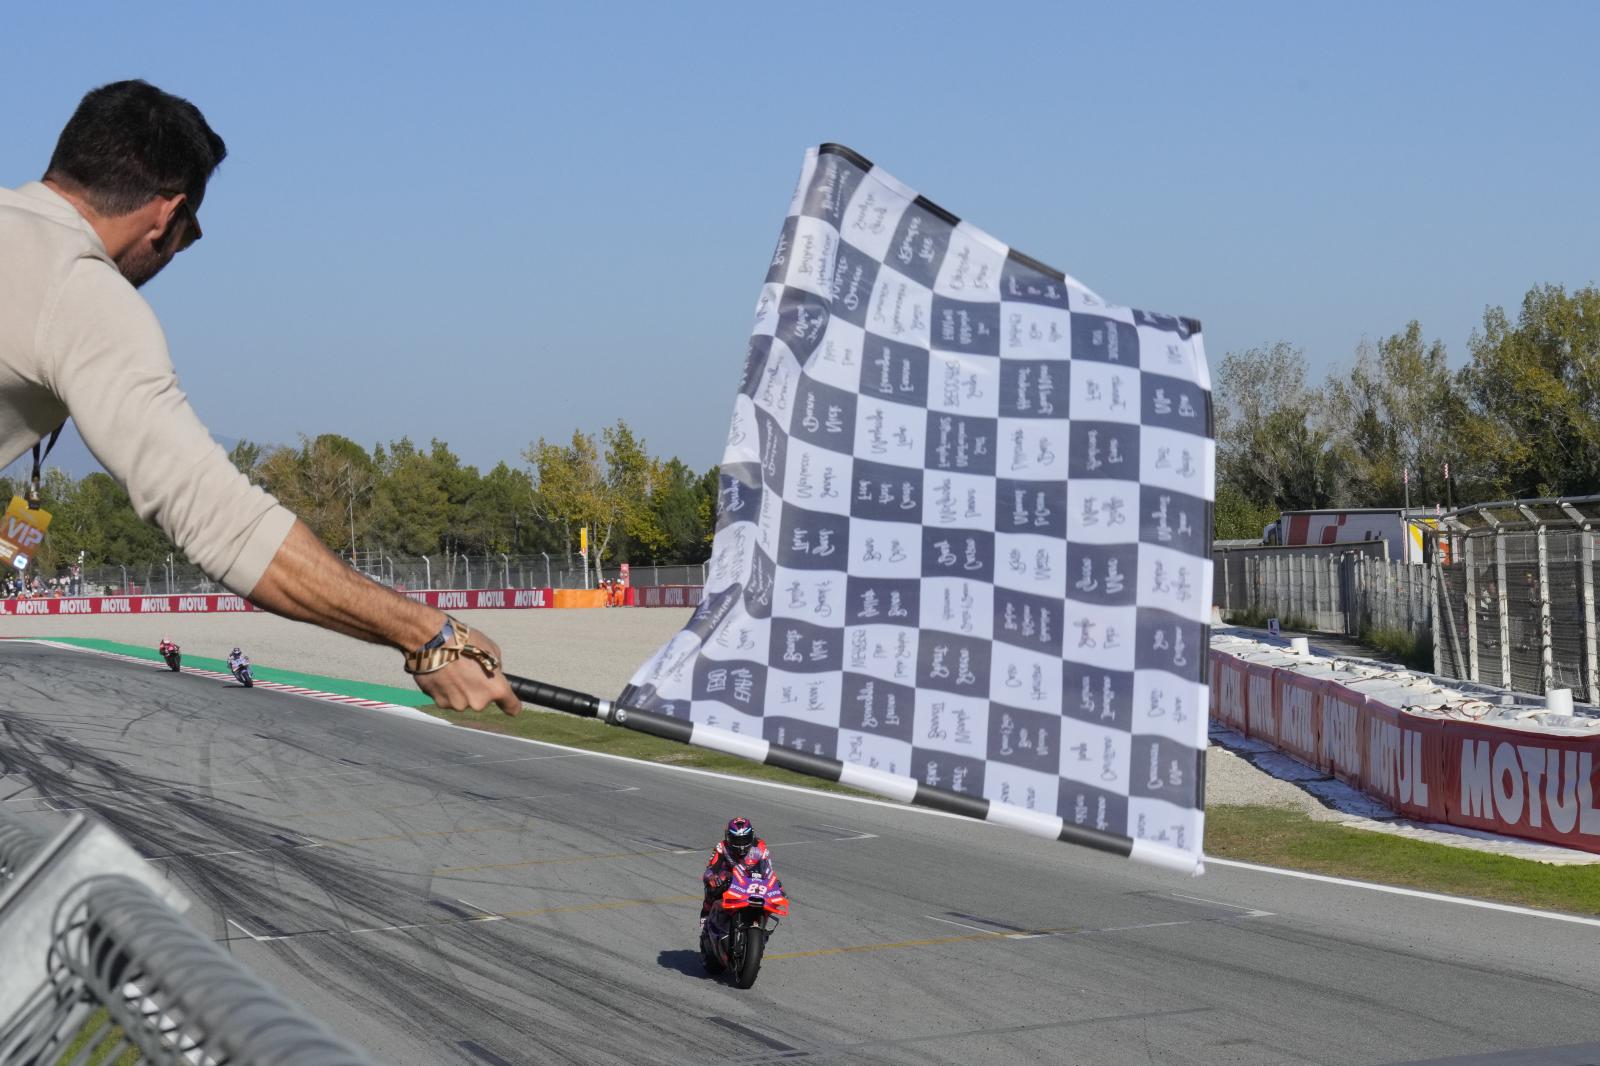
[[719, 870]]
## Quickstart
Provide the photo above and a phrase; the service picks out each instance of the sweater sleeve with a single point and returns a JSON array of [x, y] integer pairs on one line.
[[107, 360]]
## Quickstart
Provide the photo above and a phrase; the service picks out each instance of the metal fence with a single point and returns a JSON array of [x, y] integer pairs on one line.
[[1311, 584], [1516, 595], [120, 977], [1507, 598], [458, 570]]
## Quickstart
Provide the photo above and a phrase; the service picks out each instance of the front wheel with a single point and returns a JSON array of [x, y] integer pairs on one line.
[[174, 661], [755, 940]]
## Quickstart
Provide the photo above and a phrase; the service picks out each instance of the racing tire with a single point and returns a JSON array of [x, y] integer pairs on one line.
[[755, 940], [713, 965], [174, 661]]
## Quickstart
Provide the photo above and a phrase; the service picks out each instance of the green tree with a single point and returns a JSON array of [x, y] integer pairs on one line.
[[677, 500], [1235, 517], [410, 508], [1531, 425], [1397, 409], [1273, 443], [608, 492], [247, 457], [328, 481]]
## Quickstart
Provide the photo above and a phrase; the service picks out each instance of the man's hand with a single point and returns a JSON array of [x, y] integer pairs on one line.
[[463, 686]]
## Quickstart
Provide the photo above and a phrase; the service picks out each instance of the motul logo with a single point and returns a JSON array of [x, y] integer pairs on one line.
[[1396, 764], [154, 605], [232, 603], [119, 605], [491, 599], [528, 598], [33, 607], [77, 607], [453, 599], [1341, 735], [192, 603], [1508, 786], [1298, 728], [1263, 723]]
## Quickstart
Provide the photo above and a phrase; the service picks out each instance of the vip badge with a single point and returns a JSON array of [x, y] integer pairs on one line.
[[22, 532]]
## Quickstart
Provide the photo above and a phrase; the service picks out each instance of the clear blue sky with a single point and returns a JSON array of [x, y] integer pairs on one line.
[[491, 222]]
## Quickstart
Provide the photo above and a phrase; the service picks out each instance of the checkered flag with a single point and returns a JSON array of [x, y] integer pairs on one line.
[[962, 554]]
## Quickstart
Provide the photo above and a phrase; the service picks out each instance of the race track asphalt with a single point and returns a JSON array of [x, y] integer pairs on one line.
[[446, 896]]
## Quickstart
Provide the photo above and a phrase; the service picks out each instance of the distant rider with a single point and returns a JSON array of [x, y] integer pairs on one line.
[[236, 660], [167, 647], [739, 847]]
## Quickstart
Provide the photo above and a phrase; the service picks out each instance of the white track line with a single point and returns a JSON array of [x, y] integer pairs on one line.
[[963, 925], [1414, 893]]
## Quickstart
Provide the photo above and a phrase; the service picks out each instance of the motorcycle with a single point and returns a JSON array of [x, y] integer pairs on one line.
[[241, 672], [736, 932], [173, 657]]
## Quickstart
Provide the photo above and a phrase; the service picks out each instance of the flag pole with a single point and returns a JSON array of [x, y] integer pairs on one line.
[[878, 782]]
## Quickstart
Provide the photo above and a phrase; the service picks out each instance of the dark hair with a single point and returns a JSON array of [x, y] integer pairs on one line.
[[129, 142]]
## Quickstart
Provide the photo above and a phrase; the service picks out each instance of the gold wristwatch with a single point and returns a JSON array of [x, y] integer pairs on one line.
[[452, 642]]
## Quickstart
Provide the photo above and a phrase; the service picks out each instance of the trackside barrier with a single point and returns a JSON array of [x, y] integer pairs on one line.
[[1408, 744], [196, 604], [484, 599], [669, 596], [224, 603]]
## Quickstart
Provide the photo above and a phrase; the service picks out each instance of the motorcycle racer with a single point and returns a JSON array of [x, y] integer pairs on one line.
[[236, 659], [167, 646], [739, 847]]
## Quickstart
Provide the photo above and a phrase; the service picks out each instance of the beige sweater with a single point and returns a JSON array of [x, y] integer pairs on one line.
[[77, 339]]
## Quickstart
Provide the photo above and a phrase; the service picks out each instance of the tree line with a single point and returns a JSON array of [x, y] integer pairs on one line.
[[1520, 419], [404, 499]]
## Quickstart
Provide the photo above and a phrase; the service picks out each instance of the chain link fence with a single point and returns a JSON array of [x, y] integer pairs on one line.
[[1507, 597], [1517, 581]]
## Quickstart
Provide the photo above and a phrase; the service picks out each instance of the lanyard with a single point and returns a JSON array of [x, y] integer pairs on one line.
[[38, 461]]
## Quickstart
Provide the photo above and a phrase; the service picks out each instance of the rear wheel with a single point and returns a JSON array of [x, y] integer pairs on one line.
[[755, 940], [708, 956], [174, 661]]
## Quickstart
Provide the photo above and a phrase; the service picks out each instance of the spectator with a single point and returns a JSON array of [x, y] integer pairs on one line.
[[119, 200]]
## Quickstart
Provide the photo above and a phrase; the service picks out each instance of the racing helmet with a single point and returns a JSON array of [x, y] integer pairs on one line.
[[740, 837], [234, 654]]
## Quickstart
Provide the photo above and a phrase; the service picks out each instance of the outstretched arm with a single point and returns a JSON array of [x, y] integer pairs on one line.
[[307, 582]]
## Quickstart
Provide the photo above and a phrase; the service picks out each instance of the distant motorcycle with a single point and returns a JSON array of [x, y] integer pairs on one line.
[[736, 932], [241, 672], [169, 652]]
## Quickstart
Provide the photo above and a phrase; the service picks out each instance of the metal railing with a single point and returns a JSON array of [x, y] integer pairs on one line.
[[126, 979]]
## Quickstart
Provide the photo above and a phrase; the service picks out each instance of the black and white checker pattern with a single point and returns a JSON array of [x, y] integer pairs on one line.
[[964, 528]]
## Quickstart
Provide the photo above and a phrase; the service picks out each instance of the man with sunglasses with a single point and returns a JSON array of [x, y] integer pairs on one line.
[[120, 198]]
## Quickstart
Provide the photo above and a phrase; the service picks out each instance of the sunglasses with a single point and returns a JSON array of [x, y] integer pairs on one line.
[[191, 232]]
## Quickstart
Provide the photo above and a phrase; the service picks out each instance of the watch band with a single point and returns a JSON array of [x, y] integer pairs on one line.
[[454, 641]]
